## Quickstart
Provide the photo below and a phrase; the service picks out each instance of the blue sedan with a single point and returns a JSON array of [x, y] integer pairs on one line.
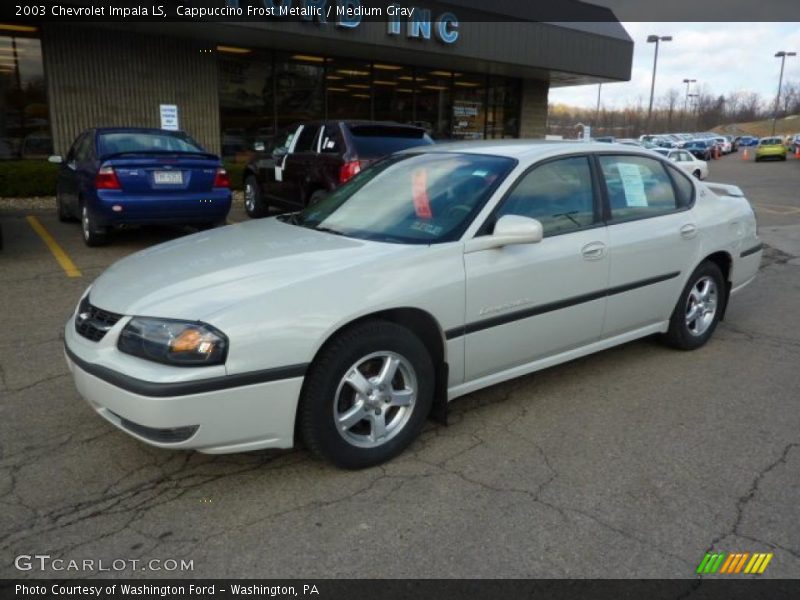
[[137, 176]]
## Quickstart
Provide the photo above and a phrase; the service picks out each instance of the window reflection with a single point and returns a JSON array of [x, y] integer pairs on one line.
[[24, 116], [262, 94], [349, 89]]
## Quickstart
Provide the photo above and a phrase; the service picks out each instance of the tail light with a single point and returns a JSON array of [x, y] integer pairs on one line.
[[106, 179], [221, 179], [349, 170]]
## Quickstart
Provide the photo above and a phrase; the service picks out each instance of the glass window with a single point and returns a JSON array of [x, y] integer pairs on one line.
[[434, 103], [393, 92], [24, 116], [375, 141], [637, 187], [411, 199], [559, 194], [246, 103], [132, 142], [348, 91], [332, 140], [683, 187], [469, 107], [299, 82], [307, 140], [503, 108], [84, 150]]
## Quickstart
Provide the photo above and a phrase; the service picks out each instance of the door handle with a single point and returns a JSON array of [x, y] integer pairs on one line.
[[689, 231], [594, 251]]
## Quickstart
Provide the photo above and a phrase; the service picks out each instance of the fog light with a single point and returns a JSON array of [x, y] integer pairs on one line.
[[116, 208]]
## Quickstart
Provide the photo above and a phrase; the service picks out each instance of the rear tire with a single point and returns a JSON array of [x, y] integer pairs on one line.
[[93, 235], [367, 395], [698, 310], [254, 203]]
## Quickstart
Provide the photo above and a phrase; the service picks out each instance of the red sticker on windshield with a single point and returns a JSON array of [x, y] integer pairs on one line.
[[419, 190]]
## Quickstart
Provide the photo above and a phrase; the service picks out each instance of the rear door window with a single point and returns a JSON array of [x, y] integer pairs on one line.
[[307, 139], [637, 187]]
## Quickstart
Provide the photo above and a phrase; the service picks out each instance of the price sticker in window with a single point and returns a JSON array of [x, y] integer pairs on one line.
[[419, 191]]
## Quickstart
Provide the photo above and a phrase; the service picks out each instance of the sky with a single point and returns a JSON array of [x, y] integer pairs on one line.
[[722, 57]]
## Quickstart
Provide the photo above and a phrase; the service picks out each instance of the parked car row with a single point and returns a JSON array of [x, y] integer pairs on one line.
[[120, 177]]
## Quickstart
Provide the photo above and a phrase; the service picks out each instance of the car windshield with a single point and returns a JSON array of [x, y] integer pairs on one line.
[[133, 142], [424, 198]]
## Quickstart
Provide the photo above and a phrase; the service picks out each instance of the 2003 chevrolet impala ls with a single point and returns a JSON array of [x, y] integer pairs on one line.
[[434, 273]]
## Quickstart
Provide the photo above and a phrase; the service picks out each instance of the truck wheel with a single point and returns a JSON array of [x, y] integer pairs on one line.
[[254, 203]]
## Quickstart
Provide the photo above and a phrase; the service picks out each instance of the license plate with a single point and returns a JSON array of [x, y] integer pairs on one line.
[[171, 177]]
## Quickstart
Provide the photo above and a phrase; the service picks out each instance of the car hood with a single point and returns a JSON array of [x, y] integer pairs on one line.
[[198, 275]]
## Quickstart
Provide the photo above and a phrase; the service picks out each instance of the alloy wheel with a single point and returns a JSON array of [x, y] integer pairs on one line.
[[701, 306], [375, 399]]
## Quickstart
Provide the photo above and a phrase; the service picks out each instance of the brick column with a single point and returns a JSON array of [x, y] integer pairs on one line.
[[533, 117]]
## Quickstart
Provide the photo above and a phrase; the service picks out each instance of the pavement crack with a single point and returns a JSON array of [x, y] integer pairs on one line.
[[745, 499]]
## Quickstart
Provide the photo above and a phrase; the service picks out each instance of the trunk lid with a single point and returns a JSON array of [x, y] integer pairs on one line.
[[164, 173]]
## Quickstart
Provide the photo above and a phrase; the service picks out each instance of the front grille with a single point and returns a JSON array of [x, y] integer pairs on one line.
[[93, 323], [172, 435]]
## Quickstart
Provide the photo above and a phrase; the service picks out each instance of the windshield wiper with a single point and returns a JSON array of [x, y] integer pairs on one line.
[[570, 217], [328, 230]]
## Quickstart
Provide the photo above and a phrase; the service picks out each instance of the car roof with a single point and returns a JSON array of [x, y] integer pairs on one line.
[[101, 130], [527, 149]]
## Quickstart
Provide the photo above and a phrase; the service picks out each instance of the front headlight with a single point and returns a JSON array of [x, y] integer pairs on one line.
[[179, 343]]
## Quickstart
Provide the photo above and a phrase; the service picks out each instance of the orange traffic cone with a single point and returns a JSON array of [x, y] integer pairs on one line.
[[745, 156]]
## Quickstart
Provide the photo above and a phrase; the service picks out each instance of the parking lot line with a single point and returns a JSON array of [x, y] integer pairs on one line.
[[58, 252]]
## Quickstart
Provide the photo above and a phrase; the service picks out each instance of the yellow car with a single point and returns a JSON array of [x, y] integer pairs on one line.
[[770, 147]]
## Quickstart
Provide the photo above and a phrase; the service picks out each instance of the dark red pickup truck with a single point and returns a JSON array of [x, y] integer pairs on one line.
[[316, 157]]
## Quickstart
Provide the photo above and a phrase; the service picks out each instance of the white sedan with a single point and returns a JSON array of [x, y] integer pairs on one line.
[[686, 161], [432, 274]]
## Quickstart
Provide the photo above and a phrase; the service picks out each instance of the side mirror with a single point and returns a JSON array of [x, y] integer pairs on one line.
[[279, 152], [509, 230], [55, 159]]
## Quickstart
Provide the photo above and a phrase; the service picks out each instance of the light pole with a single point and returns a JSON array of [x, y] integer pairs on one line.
[[782, 55], [650, 40], [696, 107], [688, 82], [597, 112]]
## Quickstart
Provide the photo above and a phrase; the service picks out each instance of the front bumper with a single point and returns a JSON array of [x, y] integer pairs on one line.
[[216, 421]]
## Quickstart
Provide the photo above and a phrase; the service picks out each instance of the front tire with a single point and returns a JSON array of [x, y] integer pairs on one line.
[[699, 308], [367, 395], [254, 203], [93, 235], [697, 174]]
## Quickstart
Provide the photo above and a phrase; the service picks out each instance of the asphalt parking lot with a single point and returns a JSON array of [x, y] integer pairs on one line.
[[629, 463]]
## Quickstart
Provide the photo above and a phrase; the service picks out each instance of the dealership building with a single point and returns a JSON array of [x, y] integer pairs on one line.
[[231, 84]]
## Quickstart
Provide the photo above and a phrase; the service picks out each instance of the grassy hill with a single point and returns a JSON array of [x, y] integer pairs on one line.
[[789, 125]]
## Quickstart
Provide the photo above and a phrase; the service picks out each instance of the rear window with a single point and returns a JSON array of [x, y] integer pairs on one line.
[[771, 142], [373, 142], [135, 142]]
